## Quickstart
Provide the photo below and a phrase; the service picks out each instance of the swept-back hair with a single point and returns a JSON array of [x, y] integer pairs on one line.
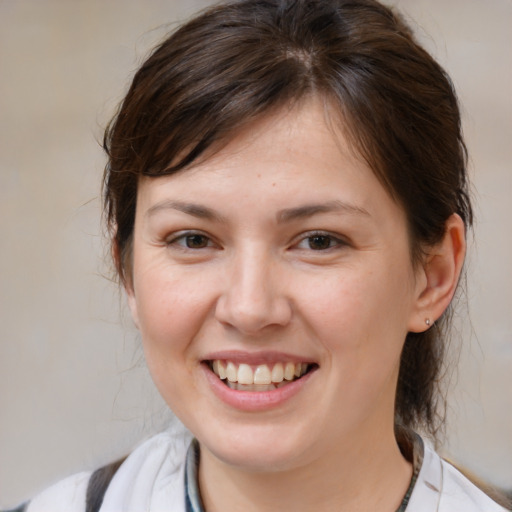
[[242, 59]]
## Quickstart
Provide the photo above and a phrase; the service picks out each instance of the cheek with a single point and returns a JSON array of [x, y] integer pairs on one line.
[[171, 309], [171, 312], [360, 317], [346, 301]]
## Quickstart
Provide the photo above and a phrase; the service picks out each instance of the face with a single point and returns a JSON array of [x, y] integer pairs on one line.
[[273, 288]]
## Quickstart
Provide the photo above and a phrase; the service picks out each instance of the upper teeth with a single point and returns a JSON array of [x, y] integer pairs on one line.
[[261, 374]]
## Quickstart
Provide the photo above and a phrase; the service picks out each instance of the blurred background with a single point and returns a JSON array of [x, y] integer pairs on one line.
[[74, 392]]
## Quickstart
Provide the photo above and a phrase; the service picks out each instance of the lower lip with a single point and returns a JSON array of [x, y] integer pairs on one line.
[[254, 400]]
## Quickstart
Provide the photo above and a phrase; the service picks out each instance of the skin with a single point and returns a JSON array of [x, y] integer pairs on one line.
[[251, 279]]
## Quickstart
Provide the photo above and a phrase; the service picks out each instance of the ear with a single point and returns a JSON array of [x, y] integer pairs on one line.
[[440, 274]]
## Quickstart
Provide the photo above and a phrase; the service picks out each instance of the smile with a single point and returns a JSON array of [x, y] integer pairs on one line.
[[263, 377]]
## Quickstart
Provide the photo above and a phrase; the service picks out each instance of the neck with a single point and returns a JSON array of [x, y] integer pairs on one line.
[[370, 475]]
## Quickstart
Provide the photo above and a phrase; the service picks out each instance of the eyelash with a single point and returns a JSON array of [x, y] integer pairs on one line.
[[333, 241], [181, 240], [185, 241]]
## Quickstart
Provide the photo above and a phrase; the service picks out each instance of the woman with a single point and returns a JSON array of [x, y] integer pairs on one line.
[[286, 192]]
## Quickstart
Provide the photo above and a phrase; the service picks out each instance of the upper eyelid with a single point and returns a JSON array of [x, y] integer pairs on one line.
[[186, 232], [319, 232], [340, 239], [177, 235]]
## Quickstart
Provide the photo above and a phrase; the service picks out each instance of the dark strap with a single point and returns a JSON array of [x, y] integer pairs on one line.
[[20, 508], [98, 484]]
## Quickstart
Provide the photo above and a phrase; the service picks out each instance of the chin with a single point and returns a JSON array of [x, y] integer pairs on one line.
[[265, 448]]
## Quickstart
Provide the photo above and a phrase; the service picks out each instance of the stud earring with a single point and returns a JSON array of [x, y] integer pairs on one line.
[[427, 321]]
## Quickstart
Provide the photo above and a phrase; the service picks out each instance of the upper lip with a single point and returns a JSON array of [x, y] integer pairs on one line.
[[255, 358]]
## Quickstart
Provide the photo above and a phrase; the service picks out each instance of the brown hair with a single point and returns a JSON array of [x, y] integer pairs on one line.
[[242, 59]]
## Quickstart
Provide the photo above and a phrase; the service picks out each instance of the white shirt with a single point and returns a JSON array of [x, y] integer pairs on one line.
[[152, 479]]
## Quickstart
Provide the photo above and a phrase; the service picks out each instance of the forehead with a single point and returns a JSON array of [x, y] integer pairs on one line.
[[289, 159]]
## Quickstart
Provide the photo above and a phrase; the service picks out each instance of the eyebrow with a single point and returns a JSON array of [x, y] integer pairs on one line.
[[196, 210], [286, 215], [309, 210]]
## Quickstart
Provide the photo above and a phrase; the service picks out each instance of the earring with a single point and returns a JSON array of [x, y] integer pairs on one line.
[[427, 321]]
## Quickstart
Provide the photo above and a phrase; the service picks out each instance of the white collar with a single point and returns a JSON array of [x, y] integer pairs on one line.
[[152, 479]]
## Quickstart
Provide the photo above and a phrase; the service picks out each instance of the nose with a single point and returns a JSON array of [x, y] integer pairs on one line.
[[253, 298]]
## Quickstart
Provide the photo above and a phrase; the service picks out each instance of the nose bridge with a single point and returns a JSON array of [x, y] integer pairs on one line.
[[253, 297]]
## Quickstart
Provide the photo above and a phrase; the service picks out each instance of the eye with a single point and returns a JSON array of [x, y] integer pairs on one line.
[[196, 241], [319, 242], [191, 240]]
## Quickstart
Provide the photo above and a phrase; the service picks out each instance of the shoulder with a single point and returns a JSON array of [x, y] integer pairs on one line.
[[68, 495], [152, 477], [150, 474], [458, 490], [441, 487]]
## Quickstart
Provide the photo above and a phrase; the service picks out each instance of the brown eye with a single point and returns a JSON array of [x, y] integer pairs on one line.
[[320, 242], [196, 241]]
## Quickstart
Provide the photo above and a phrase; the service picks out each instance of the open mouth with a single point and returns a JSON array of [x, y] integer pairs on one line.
[[263, 377]]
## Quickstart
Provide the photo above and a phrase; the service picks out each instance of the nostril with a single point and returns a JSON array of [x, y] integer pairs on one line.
[[251, 314]]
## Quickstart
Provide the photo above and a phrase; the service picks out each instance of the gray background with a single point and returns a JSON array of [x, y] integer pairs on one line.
[[74, 392]]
